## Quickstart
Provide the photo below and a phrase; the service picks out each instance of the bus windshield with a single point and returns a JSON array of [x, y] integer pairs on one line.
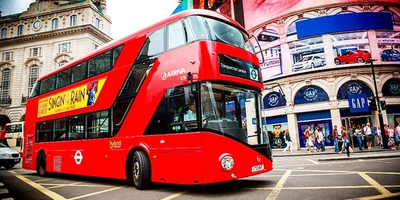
[[232, 111], [222, 32]]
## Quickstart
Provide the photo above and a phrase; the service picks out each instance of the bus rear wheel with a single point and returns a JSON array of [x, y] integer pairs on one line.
[[140, 170], [41, 165]]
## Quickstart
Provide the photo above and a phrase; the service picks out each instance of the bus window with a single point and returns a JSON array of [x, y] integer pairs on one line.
[[176, 35], [48, 84], [195, 29], [79, 72], [76, 127], [98, 124], [44, 131], [64, 78], [60, 129], [154, 45]]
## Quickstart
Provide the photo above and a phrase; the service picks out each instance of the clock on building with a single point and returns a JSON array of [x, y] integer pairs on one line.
[[36, 24]]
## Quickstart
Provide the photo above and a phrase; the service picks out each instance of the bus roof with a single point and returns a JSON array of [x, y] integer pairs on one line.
[[114, 43]]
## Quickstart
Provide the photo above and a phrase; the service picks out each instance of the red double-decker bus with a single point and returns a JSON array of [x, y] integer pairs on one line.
[[178, 102]]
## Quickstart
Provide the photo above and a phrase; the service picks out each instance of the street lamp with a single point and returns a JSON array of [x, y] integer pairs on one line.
[[385, 138]]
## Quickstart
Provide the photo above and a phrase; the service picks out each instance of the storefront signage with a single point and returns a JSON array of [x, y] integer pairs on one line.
[[354, 88], [394, 87], [358, 103], [273, 99]]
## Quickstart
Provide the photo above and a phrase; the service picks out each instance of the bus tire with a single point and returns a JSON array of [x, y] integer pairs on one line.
[[41, 164], [140, 170]]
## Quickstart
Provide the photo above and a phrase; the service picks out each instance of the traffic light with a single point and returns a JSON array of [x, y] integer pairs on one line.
[[383, 105], [372, 103]]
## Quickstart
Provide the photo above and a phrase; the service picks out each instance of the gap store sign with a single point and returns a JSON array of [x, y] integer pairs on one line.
[[358, 103]]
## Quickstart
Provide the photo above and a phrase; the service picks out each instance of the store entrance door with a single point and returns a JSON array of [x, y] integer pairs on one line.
[[351, 123]]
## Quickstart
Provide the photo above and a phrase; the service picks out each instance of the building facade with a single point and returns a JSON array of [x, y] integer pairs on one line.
[[46, 36], [315, 64]]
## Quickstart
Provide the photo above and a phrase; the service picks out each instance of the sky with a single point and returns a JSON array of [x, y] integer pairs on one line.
[[127, 16]]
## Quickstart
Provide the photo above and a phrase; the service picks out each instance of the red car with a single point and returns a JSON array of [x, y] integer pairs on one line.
[[353, 56]]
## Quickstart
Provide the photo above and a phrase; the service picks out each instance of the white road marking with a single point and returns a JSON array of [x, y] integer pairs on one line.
[[315, 162]]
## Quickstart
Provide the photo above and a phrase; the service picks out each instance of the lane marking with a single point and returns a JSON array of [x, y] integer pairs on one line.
[[380, 196], [315, 162], [99, 192], [372, 182], [38, 187], [275, 192], [174, 195], [62, 185]]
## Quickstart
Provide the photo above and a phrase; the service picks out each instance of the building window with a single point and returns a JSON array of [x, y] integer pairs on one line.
[[34, 52], [33, 76], [64, 47], [97, 23], [7, 56], [3, 32], [20, 30], [61, 63], [5, 84], [54, 24], [74, 20]]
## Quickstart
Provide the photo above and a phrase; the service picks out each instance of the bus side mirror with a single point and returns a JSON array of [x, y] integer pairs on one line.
[[189, 97]]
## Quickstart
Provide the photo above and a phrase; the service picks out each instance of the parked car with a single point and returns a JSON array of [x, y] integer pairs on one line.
[[353, 56], [8, 157], [308, 62], [390, 55]]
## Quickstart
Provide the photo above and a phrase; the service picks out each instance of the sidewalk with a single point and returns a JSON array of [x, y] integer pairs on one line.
[[376, 152]]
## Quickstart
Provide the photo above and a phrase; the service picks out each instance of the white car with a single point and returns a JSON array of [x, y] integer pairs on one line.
[[8, 157], [308, 62]]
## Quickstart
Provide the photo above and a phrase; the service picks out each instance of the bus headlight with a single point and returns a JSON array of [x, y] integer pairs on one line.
[[226, 161]]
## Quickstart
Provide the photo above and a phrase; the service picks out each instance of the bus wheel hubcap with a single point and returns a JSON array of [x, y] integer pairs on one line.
[[136, 170]]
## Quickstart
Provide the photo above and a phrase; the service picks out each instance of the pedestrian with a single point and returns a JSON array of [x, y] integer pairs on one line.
[[346, 143], [368, 134], [321, 140], [288, 142], [310, 139], [335, 138], [360, 136], [365, 136], [340, 139], [379, 133], [391, 137], [397, 136]]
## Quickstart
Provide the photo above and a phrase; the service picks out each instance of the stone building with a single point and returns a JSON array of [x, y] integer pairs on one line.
[[47, 35]]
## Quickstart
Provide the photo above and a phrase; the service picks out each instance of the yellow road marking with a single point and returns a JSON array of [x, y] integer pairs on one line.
[[62, 185], [275, 192], [95, 193], [42, 189], [380, 196], [174, 195]]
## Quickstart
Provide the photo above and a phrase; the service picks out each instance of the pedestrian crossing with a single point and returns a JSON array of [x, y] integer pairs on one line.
[[4, 194]]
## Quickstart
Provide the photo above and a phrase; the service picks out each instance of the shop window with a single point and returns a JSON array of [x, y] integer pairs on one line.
[[353, 87], [311, 94], [391, 87]]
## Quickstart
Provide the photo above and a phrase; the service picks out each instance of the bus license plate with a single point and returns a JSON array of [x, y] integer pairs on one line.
[[257, 168]]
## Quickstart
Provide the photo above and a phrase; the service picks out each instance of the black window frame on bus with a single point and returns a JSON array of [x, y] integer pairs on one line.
[[84, 126], [78, 72]]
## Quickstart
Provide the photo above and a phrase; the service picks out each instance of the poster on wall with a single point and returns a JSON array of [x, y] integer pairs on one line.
[[257, 11], [307, 54], [351, 48], [272, 65], [389, 45]]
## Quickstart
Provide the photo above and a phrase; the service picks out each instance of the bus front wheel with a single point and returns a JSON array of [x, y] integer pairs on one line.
[[41, 164], [141, 170]]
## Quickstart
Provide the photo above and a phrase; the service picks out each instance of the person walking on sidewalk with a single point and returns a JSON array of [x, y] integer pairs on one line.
[[346, 143], [360, 136], [335, 138], [368, 134], [288, 142], [310, 139], [321, 140]]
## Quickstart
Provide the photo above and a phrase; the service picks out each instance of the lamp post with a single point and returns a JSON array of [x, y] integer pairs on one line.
[[385, 138]]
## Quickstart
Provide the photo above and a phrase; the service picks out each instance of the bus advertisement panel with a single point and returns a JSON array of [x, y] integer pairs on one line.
[[178, 102]]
